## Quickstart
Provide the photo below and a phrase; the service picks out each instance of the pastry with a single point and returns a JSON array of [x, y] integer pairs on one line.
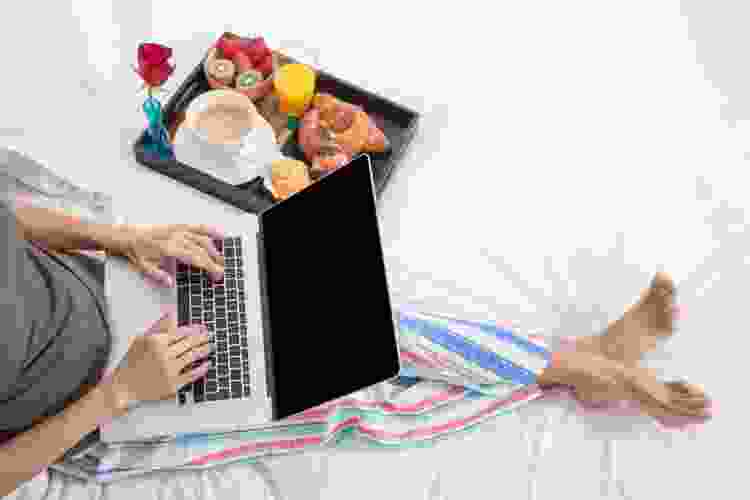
[[327, 163], [309, 133], [288, 176], [354, 138]]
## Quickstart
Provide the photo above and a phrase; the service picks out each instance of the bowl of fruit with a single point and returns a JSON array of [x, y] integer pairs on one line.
[[242, 64]]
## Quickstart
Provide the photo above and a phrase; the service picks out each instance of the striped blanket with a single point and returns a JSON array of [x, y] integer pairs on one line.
[[491, 370]]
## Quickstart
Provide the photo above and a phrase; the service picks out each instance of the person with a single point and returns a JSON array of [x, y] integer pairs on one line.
[[56, 338]]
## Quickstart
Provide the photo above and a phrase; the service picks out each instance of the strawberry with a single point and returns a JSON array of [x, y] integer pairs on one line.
[[230, 47], [242, 62], [266, 66], [255, 48]]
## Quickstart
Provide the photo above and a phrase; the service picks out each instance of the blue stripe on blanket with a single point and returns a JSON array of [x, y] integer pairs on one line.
[[488, 360], [506, 335]]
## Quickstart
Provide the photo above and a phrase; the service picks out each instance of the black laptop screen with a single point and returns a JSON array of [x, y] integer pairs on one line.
[[332, 330]]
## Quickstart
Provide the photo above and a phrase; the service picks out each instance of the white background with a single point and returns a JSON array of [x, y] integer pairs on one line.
[[567, 151]]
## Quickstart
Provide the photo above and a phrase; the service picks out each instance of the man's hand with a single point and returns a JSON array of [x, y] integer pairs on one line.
[[148, 247]]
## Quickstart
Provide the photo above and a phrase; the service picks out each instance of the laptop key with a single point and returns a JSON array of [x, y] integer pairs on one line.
[[211, 387], [236, 374], [183, 316], [223, 394], [234, 339], [234, 350], [246, 391], [235, 362], [246, 379], [198, 390], [222, 370], [237, 387], [212, 397]]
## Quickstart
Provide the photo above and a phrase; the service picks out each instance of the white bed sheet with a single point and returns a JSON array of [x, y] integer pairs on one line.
[[619, 150]]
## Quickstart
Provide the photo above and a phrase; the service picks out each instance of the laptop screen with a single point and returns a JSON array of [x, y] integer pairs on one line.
[[329, 311]]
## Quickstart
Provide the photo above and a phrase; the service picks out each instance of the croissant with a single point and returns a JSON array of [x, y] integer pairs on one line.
[[333, 131]]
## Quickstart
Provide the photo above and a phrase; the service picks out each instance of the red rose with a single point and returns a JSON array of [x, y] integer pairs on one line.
[[153, 64]]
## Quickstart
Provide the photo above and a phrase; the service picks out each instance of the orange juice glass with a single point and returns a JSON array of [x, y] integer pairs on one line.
[[295, 86]]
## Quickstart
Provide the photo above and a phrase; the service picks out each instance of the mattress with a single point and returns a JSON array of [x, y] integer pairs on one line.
[[612, 158]]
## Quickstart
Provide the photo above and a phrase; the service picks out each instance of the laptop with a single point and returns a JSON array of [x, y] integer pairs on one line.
[[302, 316]]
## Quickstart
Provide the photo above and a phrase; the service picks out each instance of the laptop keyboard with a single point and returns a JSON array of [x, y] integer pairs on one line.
[[220, 306]]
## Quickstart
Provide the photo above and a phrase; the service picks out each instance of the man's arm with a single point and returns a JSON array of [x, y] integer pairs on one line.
[[63, 232], [30, 452]]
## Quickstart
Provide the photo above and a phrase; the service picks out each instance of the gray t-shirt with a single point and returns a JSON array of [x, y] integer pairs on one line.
[[54, 330]]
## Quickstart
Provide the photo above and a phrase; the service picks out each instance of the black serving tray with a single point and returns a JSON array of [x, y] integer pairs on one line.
[[397, 123]]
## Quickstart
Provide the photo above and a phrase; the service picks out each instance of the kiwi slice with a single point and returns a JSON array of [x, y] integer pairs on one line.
[[249, 78]]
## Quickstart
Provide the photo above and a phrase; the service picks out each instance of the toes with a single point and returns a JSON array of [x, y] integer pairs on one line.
[[662, 287], [663, 281], [687, 389], [694, 403]]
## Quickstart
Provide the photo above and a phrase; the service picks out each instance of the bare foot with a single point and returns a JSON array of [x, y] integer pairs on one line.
[[657, 399], [633, 335], [596, 379], [639, 329]]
